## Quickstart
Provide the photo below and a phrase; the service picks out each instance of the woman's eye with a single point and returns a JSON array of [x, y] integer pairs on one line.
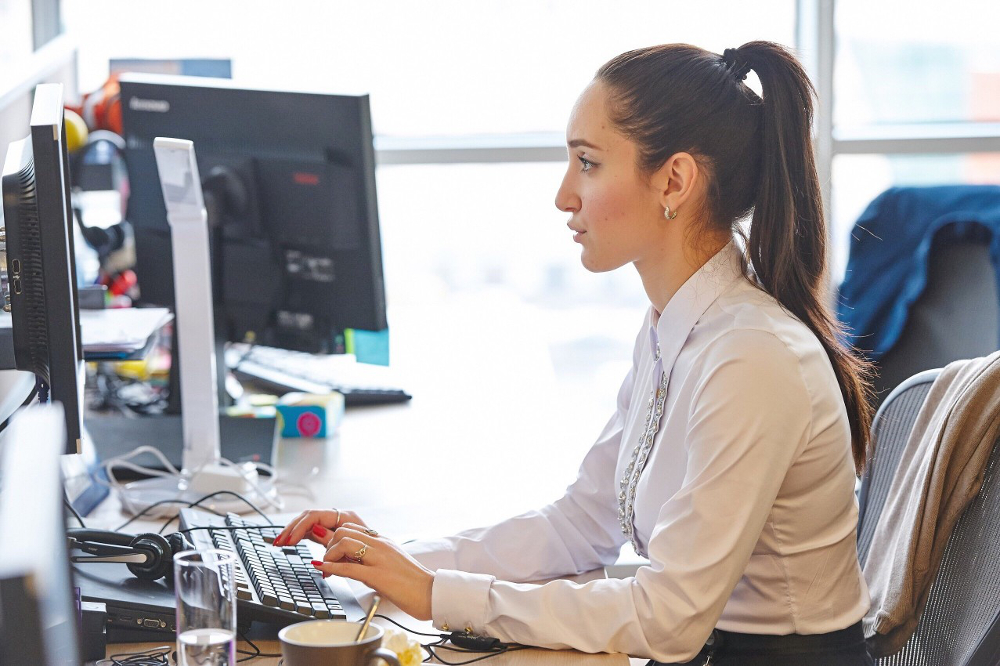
[[587, 165]]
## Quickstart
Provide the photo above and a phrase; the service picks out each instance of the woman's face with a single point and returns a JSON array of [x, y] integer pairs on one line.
[[615, 212]]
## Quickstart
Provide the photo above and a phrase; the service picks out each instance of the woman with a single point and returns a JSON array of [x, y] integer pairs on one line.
[[730, 461]]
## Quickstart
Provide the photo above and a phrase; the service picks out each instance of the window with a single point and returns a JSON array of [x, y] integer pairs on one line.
[[901, 62], [917, 104], [435, 67], [447, 72]]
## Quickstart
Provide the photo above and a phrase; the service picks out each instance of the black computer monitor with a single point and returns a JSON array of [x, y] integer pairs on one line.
[[41, 265], [289, 183], [38, 616]]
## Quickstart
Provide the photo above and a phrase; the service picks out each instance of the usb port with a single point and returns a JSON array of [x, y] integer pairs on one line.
[[17, 285], [16, 265]]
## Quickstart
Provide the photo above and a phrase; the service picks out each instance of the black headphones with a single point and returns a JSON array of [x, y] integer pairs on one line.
[[148, 556]]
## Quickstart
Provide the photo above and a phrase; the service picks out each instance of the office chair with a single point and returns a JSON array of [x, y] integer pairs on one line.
[[960, 626], [957, 316]]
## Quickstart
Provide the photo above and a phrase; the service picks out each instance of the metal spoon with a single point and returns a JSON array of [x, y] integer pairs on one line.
[[368, 619]]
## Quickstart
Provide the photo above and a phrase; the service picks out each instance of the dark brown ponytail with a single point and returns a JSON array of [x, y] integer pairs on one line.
[[759, 157]]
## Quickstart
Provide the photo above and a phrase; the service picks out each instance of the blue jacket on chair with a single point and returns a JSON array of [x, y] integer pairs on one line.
[[890, 245]]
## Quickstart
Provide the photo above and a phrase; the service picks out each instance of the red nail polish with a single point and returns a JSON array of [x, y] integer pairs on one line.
[[317, 563], [278, 541], [319, 530]]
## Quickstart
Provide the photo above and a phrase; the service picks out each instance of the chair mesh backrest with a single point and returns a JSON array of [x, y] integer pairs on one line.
[[890, 431], [959, 625], [964, 600]]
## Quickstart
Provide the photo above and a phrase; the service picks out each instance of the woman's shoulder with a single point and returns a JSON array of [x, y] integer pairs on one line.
[[746, 317]]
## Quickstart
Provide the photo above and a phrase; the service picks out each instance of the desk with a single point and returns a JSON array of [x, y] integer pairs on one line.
[[488, 434], [527, 657], [334, 469]]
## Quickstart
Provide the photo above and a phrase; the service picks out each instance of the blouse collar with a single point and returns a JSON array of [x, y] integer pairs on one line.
[[670, 330]]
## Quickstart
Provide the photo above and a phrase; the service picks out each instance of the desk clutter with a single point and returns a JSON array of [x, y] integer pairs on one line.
[[309, 415]]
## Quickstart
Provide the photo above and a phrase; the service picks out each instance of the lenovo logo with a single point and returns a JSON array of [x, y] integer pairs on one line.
[[157, 105]]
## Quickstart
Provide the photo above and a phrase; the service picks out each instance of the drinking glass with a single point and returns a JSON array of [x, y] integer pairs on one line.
[[205, 588]]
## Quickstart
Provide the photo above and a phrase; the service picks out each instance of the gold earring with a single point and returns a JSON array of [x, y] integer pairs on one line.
[[667, 214]]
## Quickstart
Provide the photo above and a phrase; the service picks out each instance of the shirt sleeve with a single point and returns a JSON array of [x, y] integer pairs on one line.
[[750, 415], [578, 532]]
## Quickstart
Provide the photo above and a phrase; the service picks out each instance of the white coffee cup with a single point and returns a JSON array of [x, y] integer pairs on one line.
[[332, 643]]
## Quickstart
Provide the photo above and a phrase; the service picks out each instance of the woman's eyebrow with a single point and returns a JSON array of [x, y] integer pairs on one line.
[[576, 143]]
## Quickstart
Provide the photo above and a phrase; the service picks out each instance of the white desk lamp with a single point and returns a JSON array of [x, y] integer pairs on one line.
[[203, 470]]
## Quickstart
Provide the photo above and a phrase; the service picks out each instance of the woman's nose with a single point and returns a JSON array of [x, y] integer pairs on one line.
[[566, 200]]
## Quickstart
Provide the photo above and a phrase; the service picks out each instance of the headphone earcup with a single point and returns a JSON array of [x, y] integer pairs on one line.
[[163, 557], [178, 544]]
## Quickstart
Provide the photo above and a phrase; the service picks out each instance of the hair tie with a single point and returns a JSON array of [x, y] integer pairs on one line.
[[737, 66]]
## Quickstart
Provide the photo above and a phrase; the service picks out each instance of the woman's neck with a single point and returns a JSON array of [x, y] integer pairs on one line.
[[663, 272]]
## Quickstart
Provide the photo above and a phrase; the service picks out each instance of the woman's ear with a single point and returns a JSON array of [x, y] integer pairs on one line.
[[678, 181]]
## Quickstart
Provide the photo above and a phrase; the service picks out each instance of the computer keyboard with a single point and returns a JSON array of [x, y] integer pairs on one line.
[[297, 371], [273, 585]]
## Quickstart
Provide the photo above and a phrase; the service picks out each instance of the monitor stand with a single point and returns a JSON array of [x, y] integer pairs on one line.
[[204, 472], [84, 478]]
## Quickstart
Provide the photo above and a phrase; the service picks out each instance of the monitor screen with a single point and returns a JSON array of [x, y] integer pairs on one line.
[[38, 616], [289, 184], [41, 266]]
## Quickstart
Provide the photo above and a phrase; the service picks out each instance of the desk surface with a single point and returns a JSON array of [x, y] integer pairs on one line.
[[490, 433]]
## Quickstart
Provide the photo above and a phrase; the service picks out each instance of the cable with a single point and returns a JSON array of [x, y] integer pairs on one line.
[[169, 471], [430, 647], [277, 503], [237, 496], [226, 528], [197, 503], [418, 633], [250, 655], [27, 401], [158, 656], [74, 512], [256, 653], [442, 638], [153, 506]]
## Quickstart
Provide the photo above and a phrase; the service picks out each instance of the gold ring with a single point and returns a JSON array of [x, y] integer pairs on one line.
[[360, 555], [370, 532]]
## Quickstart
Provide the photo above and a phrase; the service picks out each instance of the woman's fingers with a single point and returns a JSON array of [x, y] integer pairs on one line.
[[351, 517], [359, 528], [344, 568], [381, 565], [304, 523], [317, 525], [352, 550]]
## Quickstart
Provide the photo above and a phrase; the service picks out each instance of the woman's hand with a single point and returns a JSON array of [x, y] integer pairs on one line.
[[302, 526], [357, 552]]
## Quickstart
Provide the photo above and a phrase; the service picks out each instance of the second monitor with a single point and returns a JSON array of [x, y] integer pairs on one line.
[[289, 182]]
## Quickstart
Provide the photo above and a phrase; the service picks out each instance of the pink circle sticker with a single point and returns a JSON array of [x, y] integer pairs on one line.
[[308, 424]]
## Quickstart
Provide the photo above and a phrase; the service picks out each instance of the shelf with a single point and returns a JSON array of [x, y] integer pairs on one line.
[[24, 75]]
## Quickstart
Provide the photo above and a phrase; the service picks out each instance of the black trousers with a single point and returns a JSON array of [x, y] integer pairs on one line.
[[837, 648]]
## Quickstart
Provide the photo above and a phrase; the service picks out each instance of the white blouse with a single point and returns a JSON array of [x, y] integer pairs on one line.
[[745, 506]]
